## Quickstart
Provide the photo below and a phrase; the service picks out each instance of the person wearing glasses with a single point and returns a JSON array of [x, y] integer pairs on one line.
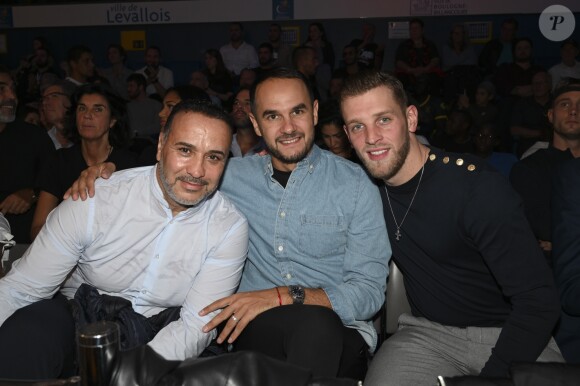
[[55, 103]]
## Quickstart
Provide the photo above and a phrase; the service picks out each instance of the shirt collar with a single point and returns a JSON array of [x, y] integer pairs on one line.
[[310, 161]]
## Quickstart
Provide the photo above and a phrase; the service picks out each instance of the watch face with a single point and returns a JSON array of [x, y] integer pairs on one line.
[[297, 294]]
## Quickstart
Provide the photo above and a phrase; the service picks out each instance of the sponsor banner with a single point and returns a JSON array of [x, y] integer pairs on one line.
[[438, 7], [166, 12]]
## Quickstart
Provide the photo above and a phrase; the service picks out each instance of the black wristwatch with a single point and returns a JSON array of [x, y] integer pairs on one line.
[[297, 294]]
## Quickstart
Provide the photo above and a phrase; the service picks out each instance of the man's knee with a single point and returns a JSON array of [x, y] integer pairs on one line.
[[38, 341], [320, 319]]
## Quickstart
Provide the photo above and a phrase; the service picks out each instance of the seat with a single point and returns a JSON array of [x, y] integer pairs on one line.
[[12, 254], [396, 303]]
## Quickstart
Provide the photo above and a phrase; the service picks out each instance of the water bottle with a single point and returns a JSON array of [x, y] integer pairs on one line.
[[98, 345]]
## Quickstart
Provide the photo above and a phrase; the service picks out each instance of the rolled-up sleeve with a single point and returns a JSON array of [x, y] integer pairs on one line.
[[362, 291]]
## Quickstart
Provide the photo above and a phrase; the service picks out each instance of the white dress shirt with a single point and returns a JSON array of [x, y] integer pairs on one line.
[[125, 242], [236, 59]]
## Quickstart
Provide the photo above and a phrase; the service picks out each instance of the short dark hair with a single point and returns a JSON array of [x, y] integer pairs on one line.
[[511, 21], [267, 45], [299, 53], [119, 133], [67, 88], [519, 40], [202, 107], [417, 21], [137, 78], [464, 115], [75, 53], [364, 81], [238, 24], [329, 113], [187, 91], [280, 73], [156, 48], [119, 48]]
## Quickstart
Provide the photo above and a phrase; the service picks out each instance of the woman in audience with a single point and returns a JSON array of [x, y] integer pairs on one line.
[[172, 97], [330, 128], [220, 80], [99, 131], [317, 39], [459, 62], [458, 51], [325, 53]]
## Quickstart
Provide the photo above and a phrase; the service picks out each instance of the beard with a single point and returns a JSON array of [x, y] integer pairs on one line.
[[243, 123], [168, 187], [289, 159], [8, 111], [389, 170], [571, 135]]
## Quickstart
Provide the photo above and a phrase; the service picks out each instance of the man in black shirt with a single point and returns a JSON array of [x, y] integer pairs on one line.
[[532, 176], [481, 293], [566, 219], [23, 149]]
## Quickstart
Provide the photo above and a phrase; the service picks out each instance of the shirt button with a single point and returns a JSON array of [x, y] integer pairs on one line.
[[280, 248], [157, 256], [283, 214], [288, 276], [143, 292]]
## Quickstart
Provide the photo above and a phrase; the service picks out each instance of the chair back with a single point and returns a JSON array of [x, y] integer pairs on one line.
[[396, 302]]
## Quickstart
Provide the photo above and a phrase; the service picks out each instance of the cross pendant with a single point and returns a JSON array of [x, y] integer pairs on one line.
[[397, 235]]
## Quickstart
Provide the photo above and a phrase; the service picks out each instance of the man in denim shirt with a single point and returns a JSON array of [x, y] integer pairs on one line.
[[319, 250], [317, 263]]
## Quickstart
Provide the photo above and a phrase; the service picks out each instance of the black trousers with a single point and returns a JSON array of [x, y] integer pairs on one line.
[[38, 341], [309, 336]]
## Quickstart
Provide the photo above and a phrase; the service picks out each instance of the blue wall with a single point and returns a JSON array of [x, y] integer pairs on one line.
[[183, 44]]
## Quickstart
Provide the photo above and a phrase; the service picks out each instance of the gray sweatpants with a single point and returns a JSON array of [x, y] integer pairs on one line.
[[421, 350]]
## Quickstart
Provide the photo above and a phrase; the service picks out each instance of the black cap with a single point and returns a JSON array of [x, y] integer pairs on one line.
[[572, 85]]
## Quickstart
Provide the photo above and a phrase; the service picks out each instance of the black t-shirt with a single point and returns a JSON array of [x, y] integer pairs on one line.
[[532, 179], [67, 164], [469, 257], [24, 148]]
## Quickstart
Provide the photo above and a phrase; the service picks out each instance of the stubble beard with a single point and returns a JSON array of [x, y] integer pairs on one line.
[[394, 166], [571, 135], [168, 187], [292, 159]]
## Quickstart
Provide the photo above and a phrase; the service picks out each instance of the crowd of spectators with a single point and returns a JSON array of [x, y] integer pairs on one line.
[[495, 105]]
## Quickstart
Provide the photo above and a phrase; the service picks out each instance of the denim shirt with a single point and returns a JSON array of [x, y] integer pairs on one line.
[[324, 230]]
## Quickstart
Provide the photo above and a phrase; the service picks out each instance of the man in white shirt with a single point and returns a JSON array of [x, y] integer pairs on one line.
[[159, 78], [238, 54], [159, 237]]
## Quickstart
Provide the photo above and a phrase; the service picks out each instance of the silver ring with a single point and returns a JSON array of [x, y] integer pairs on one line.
[[234, 318]]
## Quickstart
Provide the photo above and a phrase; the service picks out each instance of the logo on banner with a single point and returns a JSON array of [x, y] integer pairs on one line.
[[124, 13], [557, 23]]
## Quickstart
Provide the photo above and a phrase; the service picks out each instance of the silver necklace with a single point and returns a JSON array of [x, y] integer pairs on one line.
[[398, 232]]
